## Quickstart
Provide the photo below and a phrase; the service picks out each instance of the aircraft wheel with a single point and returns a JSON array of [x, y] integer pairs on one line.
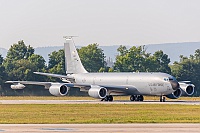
[[140, 98], [110, 98], [132, 98], [162, 99], [106, 98]]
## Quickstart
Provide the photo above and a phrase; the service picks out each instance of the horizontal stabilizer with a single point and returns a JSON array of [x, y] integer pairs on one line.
[[52, 75]]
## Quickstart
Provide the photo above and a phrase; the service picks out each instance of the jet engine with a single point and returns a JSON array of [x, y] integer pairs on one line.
[[174, 95], [17, 86], [97, 92], [58, 90], [187, 89]]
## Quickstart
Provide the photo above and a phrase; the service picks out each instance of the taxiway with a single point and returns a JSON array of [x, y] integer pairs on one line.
[[101, 128], [94, 102]]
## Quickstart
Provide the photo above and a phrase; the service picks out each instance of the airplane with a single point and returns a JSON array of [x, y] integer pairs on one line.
[[106, 85]]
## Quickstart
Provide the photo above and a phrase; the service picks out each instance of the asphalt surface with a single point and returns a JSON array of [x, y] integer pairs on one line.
[[94, 102], [101, 128]]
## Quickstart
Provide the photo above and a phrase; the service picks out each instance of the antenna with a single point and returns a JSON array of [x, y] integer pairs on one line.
[[69, 37]]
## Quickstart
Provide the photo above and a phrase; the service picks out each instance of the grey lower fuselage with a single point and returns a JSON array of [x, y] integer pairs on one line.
[[128, 83]]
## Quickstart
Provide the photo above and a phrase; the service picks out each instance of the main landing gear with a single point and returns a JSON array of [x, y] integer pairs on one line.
[[162, 99], [108, 98], [136, 98]]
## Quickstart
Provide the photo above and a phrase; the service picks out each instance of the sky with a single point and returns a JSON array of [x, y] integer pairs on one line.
[[42, 23]]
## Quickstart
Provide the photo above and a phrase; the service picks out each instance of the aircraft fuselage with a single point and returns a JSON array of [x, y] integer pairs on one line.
[[130, 83]]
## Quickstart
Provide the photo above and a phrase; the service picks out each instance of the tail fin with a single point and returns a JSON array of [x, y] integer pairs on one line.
[[72, 61]]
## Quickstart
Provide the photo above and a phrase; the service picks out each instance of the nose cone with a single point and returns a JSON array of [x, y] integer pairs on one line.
[[175, 84]]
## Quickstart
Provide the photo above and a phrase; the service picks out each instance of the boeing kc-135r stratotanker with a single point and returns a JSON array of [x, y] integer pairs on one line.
[[106, 85]]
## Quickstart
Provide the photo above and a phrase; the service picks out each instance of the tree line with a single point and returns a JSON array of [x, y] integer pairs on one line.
[[21, 62]]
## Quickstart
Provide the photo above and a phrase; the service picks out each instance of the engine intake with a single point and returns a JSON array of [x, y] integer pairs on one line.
[[174, 95], [187, 89], [58, 90], [97, 92]]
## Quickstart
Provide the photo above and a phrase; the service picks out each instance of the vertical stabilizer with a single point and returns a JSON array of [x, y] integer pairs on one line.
[[72, 61]]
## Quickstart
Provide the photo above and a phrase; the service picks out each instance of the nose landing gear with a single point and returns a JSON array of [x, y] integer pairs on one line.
[[162, 99]]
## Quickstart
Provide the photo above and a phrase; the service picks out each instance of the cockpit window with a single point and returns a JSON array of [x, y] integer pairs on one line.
[[166, 79], [169, 79]]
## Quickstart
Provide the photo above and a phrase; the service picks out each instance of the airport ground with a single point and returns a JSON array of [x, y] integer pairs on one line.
[[85, 114], [124, 98], [43, 110], [101, 128]]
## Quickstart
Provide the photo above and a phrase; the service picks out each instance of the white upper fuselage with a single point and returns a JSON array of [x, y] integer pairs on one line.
[[130, 83]]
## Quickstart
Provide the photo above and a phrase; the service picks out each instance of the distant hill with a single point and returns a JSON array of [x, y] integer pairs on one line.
[[173, 50]]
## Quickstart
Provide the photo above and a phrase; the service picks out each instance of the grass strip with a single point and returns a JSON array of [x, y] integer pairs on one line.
[[98, 113]]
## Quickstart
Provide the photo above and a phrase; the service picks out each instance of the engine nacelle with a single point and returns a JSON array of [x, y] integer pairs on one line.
[[187, 89], [97, 92], [17, 86], [58, 90], [176, 94]]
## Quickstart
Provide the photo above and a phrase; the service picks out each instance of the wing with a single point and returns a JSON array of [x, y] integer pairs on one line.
[[18, 84]]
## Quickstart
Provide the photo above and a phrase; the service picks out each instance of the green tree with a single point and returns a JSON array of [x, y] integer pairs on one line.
[[161, 62], [38, 61], [1, 59], [137, 59], [19, 51], [131, 60], [197, 55], [21, 62], [92, 57], [57, 62], [188, 68], [2, 71]]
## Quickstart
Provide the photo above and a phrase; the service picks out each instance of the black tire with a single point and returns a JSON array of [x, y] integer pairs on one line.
[[106, 98], [132, 98], [140, 98], [110, 98], [164, 99], [161, 99]]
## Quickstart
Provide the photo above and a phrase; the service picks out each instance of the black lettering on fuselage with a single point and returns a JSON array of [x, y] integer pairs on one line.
[[156, 84]]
